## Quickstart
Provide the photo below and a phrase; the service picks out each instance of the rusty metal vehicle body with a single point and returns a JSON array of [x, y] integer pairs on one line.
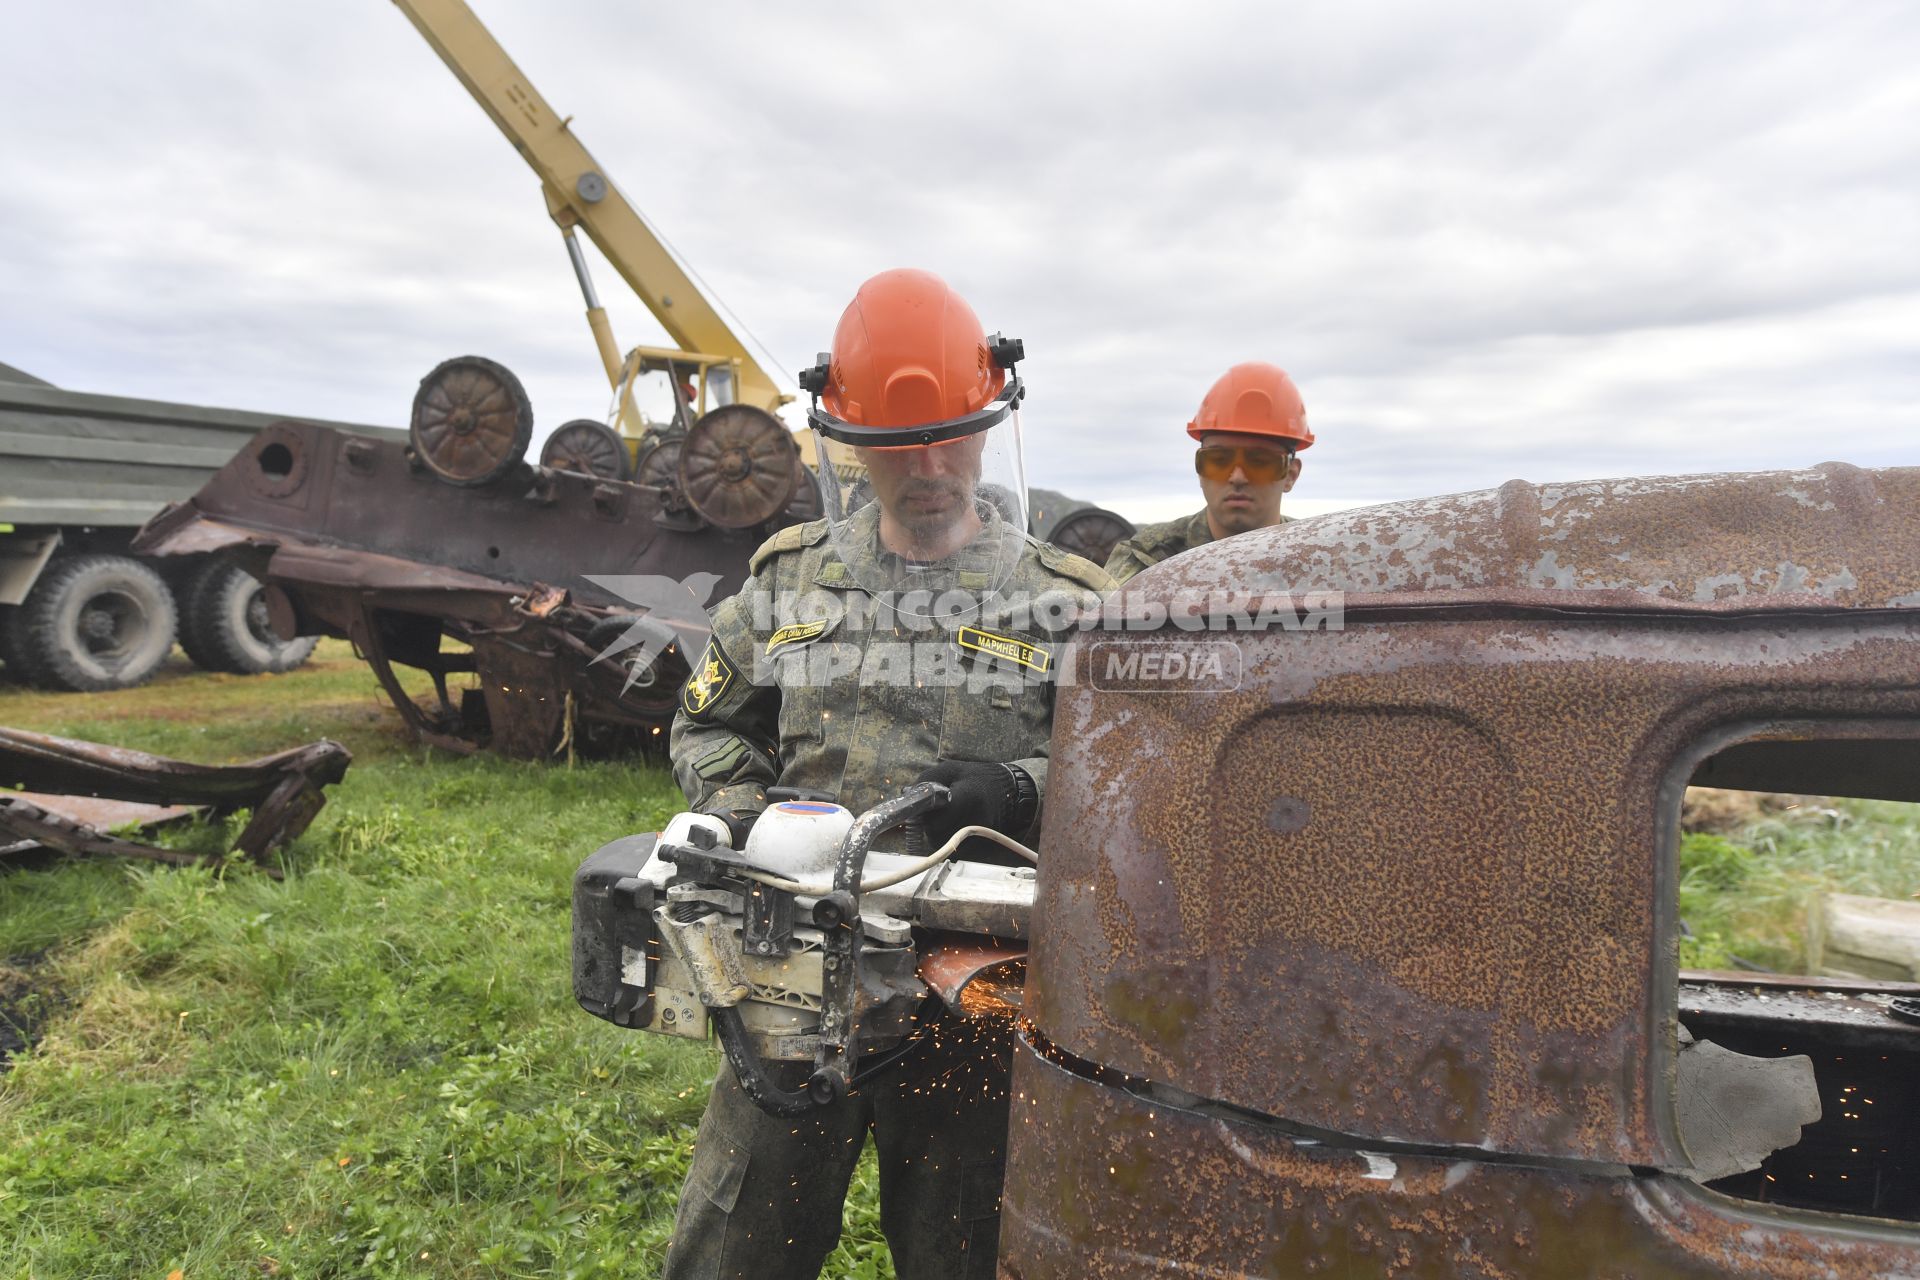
[[358, 538], [1359, 959]]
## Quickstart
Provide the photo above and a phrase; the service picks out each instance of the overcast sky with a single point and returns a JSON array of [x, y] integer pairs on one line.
[[1489, 240]]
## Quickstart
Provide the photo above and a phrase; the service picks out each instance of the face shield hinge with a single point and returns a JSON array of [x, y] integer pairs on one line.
[[813, 381], [1008, 352]]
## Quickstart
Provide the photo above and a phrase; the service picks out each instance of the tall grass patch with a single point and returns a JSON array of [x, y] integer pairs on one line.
[[373, 1067], [1745, 895]]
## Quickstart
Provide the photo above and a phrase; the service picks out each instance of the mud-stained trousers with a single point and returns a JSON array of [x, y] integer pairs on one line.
[[763, 1196]]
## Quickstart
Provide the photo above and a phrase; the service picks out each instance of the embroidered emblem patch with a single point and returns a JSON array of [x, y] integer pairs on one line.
[[1014, 650], [709, 680], [794, 634]]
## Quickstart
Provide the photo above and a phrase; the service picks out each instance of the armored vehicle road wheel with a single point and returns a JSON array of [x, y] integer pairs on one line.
[[737, 466], [96, 622], [589, 448], [659, 465], [472, 421], [1092, 532], [223, 624]]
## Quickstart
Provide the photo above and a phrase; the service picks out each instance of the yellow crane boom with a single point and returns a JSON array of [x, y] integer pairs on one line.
[[579, 195]]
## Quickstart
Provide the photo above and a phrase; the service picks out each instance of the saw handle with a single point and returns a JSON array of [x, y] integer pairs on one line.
[[823, 1088], [841, 961], [787, 1104]]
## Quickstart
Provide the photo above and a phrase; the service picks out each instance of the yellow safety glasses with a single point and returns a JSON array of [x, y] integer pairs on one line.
[[1260, 465]]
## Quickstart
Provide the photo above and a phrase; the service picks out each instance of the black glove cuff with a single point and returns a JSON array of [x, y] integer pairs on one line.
[[1023, 801], [739, 823]]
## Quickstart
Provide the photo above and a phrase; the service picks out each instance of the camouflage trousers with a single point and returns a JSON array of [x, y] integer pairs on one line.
[[763, 1197]]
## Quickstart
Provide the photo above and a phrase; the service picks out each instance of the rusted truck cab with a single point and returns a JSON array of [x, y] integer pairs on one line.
[[1355, 949]]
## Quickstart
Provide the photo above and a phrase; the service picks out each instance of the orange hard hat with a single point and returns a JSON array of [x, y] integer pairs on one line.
[[911, 364], [1255, 398]]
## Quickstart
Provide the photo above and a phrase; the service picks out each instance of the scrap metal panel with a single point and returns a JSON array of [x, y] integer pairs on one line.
[[1408, 884]]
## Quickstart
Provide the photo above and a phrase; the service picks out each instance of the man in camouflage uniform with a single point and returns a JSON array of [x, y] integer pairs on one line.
[[1250, 426], [818, 677]]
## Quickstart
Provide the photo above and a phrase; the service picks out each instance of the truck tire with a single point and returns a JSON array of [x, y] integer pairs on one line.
[[223, 624], [95, 622], [13, 664]]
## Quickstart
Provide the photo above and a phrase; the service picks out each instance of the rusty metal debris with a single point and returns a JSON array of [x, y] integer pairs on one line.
[[357, 538], [1362, 960], [284, 791], [972, 974], [455, 556]]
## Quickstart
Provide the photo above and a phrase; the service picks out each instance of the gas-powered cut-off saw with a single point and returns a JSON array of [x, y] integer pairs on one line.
[[805, 945]]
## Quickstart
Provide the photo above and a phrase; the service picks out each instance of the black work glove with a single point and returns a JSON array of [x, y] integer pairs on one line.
[[1001, 796], [739, 823]]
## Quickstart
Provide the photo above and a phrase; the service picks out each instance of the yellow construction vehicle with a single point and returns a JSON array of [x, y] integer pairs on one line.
[[711, 368]]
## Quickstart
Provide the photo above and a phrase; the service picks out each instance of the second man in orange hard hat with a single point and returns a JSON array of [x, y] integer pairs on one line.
[[1250, 426]]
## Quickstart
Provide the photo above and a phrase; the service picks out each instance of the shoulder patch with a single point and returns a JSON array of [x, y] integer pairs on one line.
[[795, 633], [791, 538], [1078, 568], [706, 683]]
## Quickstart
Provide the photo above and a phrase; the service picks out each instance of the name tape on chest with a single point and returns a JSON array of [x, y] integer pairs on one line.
[[1007, 648]]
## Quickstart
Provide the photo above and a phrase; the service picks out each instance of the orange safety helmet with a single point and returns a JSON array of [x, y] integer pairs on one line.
[[1255, 398], [911, 365]]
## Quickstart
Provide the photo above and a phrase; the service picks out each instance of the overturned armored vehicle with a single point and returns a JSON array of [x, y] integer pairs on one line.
[[571, 597], [1356, 955], [570, 591]]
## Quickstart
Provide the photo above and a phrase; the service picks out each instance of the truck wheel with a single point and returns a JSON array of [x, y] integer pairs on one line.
[[13, 664], [95, 622], [223, 624]]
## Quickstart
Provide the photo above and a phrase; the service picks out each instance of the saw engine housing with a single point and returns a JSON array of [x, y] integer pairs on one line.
[[679, 934]]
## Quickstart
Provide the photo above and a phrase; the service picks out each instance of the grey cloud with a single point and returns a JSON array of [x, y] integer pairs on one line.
[[1494, 241]]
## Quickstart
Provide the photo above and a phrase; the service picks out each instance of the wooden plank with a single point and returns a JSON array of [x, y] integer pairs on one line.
[[1855, 937]]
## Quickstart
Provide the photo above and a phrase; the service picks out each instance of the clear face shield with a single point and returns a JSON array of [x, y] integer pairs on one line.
[[938, 524]]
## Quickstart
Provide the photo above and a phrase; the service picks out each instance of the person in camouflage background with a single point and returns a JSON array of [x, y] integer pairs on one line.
[[916, 638], [1250, 426]]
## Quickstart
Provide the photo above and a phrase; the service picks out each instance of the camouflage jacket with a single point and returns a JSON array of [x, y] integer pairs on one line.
[[1156, 542], [808, 682]]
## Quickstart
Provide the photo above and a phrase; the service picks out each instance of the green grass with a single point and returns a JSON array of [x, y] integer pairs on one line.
[[375, 1067], [372, 1068], [1747, 894]]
